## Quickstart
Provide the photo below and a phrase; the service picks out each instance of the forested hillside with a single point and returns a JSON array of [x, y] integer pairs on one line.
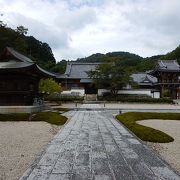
[[38, 51], [42, 54], [132, 62], [175, 54]]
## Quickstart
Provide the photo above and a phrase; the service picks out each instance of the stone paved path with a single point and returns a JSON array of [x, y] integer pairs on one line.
[[94, 146]]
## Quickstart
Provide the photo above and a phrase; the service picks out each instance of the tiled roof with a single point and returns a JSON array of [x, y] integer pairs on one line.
[[78, 70], [17, 56], [143, 78], [168, 65], [18, 61], [14, 64]]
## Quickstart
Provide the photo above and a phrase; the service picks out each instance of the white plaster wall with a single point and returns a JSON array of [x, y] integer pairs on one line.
[[81, 92], [156, 95], [101, 91], [133, 92], [136, 92]]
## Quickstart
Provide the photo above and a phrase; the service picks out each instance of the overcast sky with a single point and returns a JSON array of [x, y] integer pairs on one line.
[[79, 28]]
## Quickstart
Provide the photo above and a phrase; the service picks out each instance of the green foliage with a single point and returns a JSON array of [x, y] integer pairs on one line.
[[136, 99], [60, 67], [50, 117], [22, 30], [14, 117], [62, 109], [146, 133], [38, 51], [175, 54], [166, 93], [49, 86], [132, 62], [64, 98], [110, 76]]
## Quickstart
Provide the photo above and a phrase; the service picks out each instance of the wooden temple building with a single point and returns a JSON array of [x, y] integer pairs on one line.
[[76, 77], [156, 83], [167, 73], [19, 79]]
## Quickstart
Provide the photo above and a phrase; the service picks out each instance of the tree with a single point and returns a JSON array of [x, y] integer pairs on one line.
[[110, 76], [49, 86], [22, 30], [20, 44]]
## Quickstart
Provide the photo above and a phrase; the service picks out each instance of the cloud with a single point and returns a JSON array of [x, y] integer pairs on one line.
[[79, 28]]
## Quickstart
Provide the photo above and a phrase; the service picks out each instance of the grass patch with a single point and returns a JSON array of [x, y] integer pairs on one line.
[[146, 133], [50, 117], [61, 109], [14, 117]]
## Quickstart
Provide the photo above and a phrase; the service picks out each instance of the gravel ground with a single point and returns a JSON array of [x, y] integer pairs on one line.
[[168, 151], [20, 142]]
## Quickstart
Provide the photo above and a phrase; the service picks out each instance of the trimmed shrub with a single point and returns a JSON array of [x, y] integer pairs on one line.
[[138, 99], [64, 98]]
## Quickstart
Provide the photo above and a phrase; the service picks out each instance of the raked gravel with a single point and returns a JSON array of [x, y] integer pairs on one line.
[[20, 142], [169, 151]]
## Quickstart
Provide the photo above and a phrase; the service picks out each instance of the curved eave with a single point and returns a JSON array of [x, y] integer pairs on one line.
[[14, 65], [28, 67], [44, 72]]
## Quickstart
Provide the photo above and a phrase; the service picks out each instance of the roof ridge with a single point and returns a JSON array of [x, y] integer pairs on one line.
[[18, 55]]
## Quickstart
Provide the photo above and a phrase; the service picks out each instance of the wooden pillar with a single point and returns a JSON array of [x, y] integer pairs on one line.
[[162, 91]]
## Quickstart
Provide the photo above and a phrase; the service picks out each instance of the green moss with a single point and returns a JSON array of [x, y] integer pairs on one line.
[[61, 109], [146, 133], [14, 117], [50, 117]]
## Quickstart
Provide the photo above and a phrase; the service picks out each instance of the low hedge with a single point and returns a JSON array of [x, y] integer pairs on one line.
[[146, 133], [64, 98], [135, 99]]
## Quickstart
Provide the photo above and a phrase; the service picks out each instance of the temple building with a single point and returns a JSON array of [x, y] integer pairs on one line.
[[75, 78], [19, 79], [167, 73]]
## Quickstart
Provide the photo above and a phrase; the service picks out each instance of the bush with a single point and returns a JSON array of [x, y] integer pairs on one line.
[[64, 98], [137, 99]]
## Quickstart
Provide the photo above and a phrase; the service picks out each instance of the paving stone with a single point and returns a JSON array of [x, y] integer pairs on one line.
[[48, 159], [165, 173], [103, 177], [133, 141], [60, 177], [40, 173], [94, 146], [63, 166], [82, 173], [83, 148], [82, 159], [100, 166]]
